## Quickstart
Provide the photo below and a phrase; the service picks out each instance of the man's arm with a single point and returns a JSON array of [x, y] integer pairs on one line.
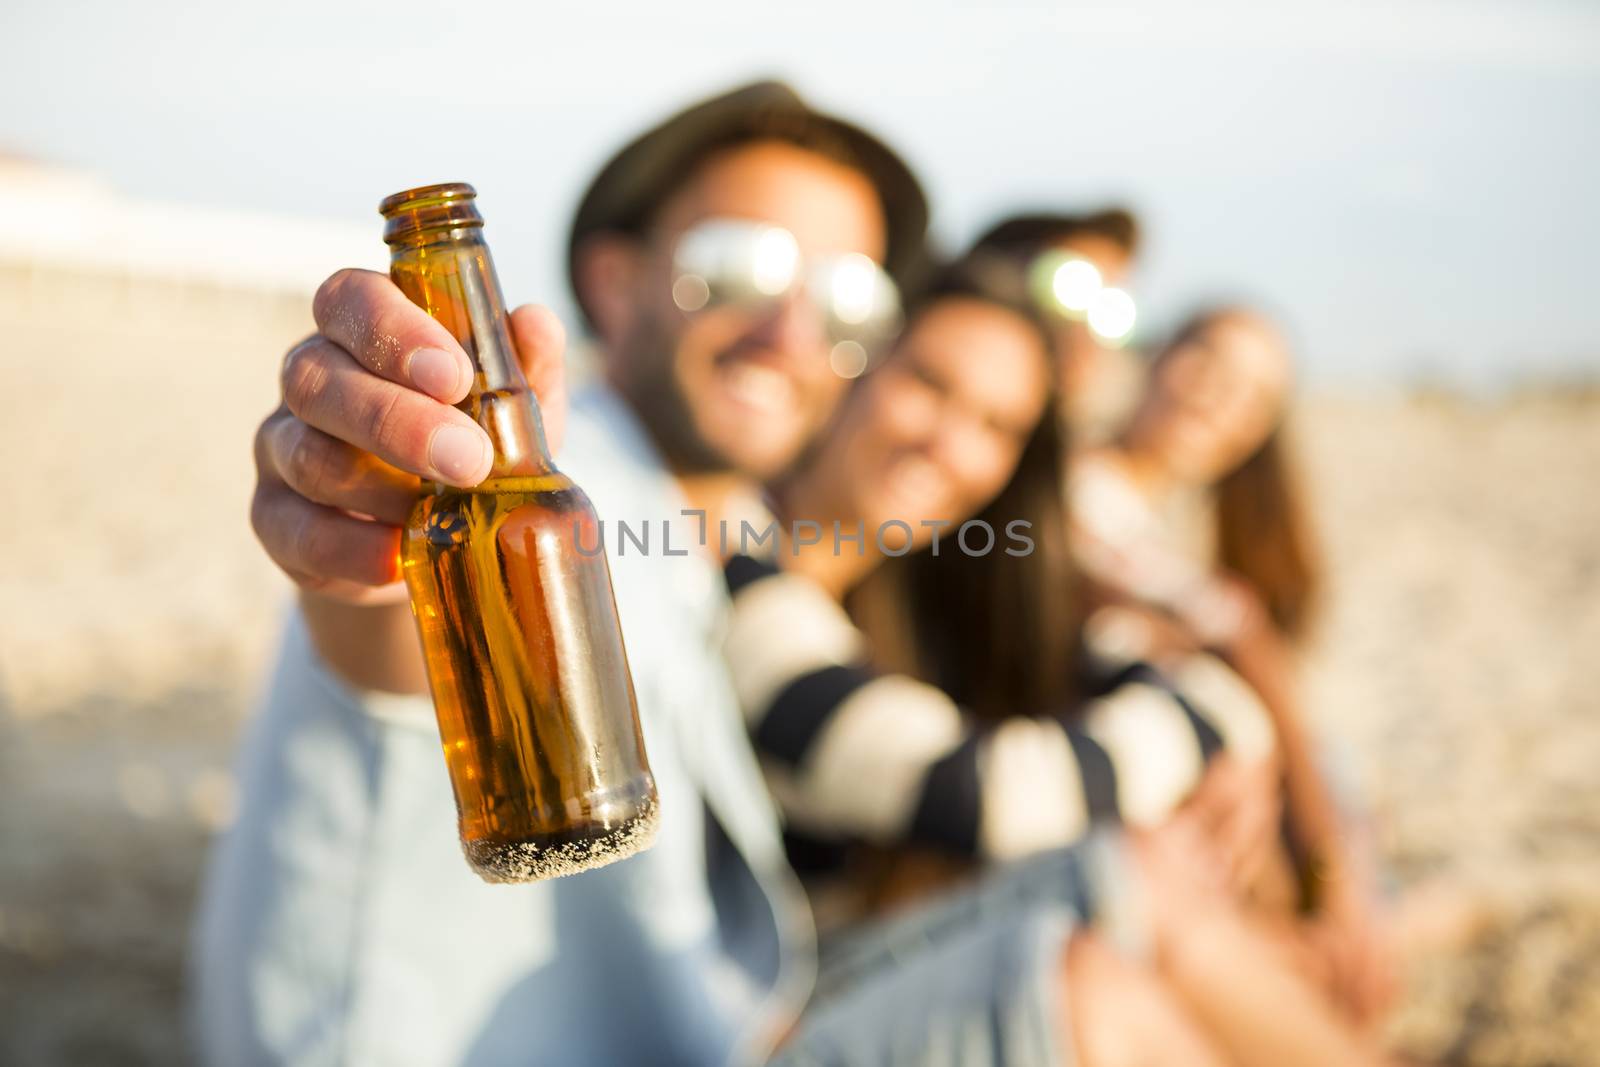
[[367, 414]]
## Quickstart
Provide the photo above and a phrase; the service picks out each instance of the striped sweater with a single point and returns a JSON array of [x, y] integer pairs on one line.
[[851, 753]]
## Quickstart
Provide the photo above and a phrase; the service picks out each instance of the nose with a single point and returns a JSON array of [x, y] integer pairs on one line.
[[956, 445], [1210, 383], [794, 327], [1078, 350], [1192, 378]]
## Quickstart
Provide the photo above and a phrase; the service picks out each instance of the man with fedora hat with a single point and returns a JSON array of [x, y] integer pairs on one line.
[[735, 264]]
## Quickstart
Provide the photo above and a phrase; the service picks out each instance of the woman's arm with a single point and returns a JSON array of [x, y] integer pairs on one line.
[[1335, 876], [892, 760], [1252, 646]]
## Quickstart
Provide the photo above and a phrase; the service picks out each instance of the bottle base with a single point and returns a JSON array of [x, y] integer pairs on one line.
[[558, 855]]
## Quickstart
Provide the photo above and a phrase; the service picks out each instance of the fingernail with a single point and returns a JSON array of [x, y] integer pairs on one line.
[[458, 453], [436, 372]]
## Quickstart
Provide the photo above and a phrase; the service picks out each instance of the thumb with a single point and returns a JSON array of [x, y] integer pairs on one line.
[[541, 343]]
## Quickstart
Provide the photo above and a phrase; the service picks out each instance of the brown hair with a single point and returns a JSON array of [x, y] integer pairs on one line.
[[1026, 234], [630, 189], [1264, 535], [997, 631], [1263, 530], [797, 129]]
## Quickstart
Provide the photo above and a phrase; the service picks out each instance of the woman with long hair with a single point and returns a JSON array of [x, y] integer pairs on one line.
[[1193, 529], [1201, 486]]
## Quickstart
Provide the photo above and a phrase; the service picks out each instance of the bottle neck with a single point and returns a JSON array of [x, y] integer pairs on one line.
[[449, 274]]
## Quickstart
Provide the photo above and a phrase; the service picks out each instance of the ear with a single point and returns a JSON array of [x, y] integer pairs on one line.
[[608, 273]]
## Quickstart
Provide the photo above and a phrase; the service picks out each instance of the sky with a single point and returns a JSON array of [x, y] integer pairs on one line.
[[1411, 186]]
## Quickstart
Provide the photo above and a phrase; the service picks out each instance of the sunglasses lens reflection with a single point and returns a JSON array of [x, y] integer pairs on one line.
[[723, 261], [734, 262], [1112, 314], [1075, 283], [774, 261], [1071, 287], [691, 292], [849, 359], [851, 285]]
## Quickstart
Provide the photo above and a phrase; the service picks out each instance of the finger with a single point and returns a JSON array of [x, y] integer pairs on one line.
[[1384, 990], [1375, 977], [1218, 795], [350, 592], [328, 389], [368, 316], [1252, 850], [266, 471], [326, 470], [1348, 973], [319, 545], [1314, 958], [541, 343], [1205, 794]]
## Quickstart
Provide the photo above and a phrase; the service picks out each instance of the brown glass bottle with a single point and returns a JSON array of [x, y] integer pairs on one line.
[[519, 629]]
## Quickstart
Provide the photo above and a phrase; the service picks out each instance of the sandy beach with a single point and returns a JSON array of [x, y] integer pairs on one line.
[[1456, 669]]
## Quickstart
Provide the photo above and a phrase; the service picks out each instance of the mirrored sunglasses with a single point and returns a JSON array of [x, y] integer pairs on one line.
[[1070, 286], [754, 266]]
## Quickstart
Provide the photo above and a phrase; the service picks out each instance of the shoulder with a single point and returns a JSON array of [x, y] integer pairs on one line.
[[607, 452], [1099, 483]]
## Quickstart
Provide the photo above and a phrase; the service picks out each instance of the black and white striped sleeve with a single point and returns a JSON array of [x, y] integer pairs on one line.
[[889, 759]]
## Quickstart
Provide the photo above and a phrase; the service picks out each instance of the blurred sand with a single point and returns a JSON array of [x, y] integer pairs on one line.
[[1458, 666]]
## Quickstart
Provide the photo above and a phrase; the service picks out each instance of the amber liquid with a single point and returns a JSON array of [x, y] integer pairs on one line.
[[528, 672], [519, 627]]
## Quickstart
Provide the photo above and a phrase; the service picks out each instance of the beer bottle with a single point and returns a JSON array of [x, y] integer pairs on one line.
[[519, 629]]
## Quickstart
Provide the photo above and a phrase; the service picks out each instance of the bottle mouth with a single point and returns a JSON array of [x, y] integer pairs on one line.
[[447, 205]]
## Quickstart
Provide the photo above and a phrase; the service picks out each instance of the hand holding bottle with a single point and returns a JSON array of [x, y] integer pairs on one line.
[[366, 413]]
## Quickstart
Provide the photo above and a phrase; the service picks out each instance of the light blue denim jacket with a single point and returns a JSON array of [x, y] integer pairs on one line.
[[341, 925]]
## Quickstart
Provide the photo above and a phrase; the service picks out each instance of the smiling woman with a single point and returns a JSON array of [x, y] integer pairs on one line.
[[935, 433], [1208, 442]]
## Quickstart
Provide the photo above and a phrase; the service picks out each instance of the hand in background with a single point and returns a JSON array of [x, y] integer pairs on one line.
[[1238, 806]]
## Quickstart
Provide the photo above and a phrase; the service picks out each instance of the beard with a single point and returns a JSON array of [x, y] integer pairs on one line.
[[645, 378]]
